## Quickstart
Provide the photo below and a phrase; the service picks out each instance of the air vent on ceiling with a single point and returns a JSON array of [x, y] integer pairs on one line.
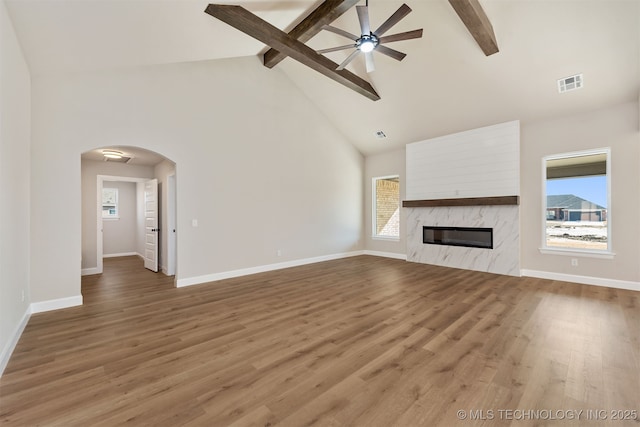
[[380, 134], [567, 84], [120, 160]]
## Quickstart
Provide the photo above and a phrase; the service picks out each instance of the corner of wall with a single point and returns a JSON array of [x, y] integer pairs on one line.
[[15, 187], [10, 345]]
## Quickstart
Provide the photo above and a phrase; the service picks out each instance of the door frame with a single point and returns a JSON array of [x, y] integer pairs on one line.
[[171, 224], [100, 182]]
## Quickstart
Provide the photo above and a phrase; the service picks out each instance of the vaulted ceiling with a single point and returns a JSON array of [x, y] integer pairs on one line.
[[445, 84]]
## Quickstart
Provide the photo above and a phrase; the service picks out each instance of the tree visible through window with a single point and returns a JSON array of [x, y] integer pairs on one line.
[[577, 201], [386, 207]]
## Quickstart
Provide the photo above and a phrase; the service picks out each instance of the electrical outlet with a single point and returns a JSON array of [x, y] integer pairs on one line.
[[194, 222], [23, 296], [574, 262], [279, 252]]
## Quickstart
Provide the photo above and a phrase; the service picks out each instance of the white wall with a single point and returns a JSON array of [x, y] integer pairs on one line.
[[15, 118], [615, 127], [260, 167], [481, 162], [89, 175], [119, 236], [385, 164]]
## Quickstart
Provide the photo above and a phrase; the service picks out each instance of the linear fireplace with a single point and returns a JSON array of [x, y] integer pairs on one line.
[[471, 237]]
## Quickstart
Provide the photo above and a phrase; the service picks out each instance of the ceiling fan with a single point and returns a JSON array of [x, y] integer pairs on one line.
[[369, 41], [292, 44]]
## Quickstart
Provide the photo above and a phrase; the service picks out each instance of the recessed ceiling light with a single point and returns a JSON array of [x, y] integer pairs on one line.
[[567, 84]]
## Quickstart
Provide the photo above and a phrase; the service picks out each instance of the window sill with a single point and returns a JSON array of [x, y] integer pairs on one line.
[[387, 238], [578, 252], [111, 218]]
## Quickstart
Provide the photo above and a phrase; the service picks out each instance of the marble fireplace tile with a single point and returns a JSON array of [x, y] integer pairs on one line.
[[504, 258]]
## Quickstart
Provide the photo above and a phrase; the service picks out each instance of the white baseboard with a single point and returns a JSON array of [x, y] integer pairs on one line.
[[387, 254], [261, 269], [120, 254], [165, 271], [11, 345], [89, 271], [56, 304], [585, 280]]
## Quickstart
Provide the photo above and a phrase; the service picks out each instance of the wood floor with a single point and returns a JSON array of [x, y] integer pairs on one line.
[[363, 341]]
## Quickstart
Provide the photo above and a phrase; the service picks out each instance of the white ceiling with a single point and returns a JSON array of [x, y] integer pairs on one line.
[[444, 85]]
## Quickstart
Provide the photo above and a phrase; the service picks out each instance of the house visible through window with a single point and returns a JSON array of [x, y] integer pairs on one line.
[[577, 213], [110, 203], [386, 207]]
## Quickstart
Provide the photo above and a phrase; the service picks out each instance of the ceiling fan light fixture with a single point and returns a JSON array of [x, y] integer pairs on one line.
[[367, 46], [112, 154], [367, 43]]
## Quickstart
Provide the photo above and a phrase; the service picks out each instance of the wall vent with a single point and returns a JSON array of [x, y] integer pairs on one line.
[[570, 83]]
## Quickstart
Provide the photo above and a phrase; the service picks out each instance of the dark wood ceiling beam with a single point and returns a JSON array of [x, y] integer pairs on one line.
[[478, 24], [323, 15], [245, 21]]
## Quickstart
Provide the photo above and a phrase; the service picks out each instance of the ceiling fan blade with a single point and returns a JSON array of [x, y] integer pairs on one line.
[[393, 20], [363, 17], [391, 52], [371, 66], [415, 34], [348, 60], [340, 32], [335, 49]]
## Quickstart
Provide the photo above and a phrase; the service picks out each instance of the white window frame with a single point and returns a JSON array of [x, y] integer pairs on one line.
[[116, 204], [591, 253], [374, 209]]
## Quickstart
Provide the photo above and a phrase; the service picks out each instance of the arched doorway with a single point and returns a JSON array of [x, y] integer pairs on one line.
[[116, 204]]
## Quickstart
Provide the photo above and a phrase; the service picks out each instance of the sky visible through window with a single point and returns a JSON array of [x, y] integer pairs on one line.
[[591, 188]]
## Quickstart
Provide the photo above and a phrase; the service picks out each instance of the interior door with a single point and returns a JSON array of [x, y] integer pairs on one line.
[[151, 225]]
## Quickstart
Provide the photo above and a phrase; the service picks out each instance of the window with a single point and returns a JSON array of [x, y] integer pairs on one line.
[[110, 203], [386, 207], [577, 216]]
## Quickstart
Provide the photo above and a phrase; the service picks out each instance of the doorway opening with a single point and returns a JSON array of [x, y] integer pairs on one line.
[[128, 209]]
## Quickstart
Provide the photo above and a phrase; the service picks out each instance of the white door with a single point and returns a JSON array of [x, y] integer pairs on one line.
[[151, 225]]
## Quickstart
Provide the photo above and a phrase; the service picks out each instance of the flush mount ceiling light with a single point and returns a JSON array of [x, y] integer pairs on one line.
[[112, 154]]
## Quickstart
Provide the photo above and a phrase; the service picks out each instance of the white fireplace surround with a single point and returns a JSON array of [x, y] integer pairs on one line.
[[504, 258], [480, 167]]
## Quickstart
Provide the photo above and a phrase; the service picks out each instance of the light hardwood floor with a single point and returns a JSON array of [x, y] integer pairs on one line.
[[363, 341]]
